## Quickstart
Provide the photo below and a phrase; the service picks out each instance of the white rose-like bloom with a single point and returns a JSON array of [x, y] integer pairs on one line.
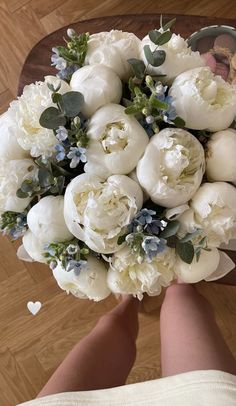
[[26, 112], [127, 276], [179, 57], [204, 101], [97, 211], [46, 221], [172, 167], [99, 85], [31, 249], [113, 49], [198, 270], [116, 142], [12, 174], [9, 147], [212, 209], [90, 283], [220, 157]]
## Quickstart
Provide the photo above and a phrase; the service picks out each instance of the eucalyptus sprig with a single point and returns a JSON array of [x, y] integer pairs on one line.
[[13, 224]]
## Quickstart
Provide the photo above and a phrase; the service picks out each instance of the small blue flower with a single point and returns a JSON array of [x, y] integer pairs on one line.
[[153, 246], [50, 250], [170, 114], [67, 72], [75, 266], [145, 216], [59, 62], [154, 227], [76, 155], [72, 249], [61, 133], [160, 92], [60, 152]]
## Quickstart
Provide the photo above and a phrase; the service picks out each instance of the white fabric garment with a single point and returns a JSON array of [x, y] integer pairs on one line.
[[197, 388]]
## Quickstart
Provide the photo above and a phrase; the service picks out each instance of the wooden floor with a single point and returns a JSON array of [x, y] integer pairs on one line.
[[32, 347]]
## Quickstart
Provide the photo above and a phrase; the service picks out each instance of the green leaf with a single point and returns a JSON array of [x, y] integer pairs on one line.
[[172, 241], [168, 25], [154, 35], [71, 103], [21, 194], [158, 58], [138, 67], [27, 186], [56, 97], [171, 229], [158, 104], [179, 122], [52, 118], [121, 239], [45, 178], [191, 236], [164, 38], [186, 251], [148, 54], [132, 110]]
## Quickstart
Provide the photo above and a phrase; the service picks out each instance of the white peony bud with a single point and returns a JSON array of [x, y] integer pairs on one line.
[[9, 147], [127, 276], [26, 112], [113, 49], [12, 174], [172, 167], [197, 271], [97, 211], [204, 101], [99, 85], [179, 57], [213, 210], [32, 248], [46, 221], [220, 157], [89, 283], [116, 142]]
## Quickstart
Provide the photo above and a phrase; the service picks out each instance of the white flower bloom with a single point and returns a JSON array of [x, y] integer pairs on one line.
[[9, 147], [97, 211], [31, 249], [220, 157], [117, 142], [179, 57], [90, 283], [12, 174], [46, 221], [26, 112], [212, 209], [172, 167], [126, 275], [113, 49], [197, 271], [204, 101], [99, 85]]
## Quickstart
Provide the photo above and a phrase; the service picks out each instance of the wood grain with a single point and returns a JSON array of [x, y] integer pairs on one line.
[[32, 347]]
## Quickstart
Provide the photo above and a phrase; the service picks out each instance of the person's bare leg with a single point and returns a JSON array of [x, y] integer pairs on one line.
[[104, 358], [190, 337]]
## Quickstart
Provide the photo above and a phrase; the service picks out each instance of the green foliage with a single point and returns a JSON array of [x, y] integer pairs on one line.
[[52, 118], [75, 50], [185, 250], [71, 103], [138, 67], [171, 229], [154, 58]]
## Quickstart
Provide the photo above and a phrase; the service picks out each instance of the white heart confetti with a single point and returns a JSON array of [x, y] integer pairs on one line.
[[34, 307]]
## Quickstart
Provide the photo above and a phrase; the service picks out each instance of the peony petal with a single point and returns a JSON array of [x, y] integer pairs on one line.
[[225, 266]]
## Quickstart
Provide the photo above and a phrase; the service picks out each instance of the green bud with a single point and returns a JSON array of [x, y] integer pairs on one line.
[[145, 111], [149, 80]]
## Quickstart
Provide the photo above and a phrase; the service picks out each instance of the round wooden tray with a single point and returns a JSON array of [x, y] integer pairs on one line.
[[38, 62]]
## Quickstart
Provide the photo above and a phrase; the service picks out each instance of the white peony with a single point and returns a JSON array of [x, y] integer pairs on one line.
[[220, 157], [117, 142], [46, 221], [172, 167], [12, 174], [126, 275], [26, 112], [179, 57], [212, 209], [197, 271], [99, 85], [97, 211], [9, 147], [204, 101], [32, 248], [113, 49], [90, 283]]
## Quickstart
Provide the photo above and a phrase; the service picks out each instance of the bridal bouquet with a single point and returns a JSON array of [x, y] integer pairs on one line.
[[119, 172]]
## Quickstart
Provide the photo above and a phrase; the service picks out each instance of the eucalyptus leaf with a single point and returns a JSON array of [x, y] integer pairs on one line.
[[138, 67], [148, 54], [27, 186], [21, 194], [171, 229], [185, 251], [56, 97], [45, 178], [191, 236], [179, 122], [121, 239], [172, 241], [168, 25], [154, 35], [71, 103], [52, 118], [164, 38], [158, 58]]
